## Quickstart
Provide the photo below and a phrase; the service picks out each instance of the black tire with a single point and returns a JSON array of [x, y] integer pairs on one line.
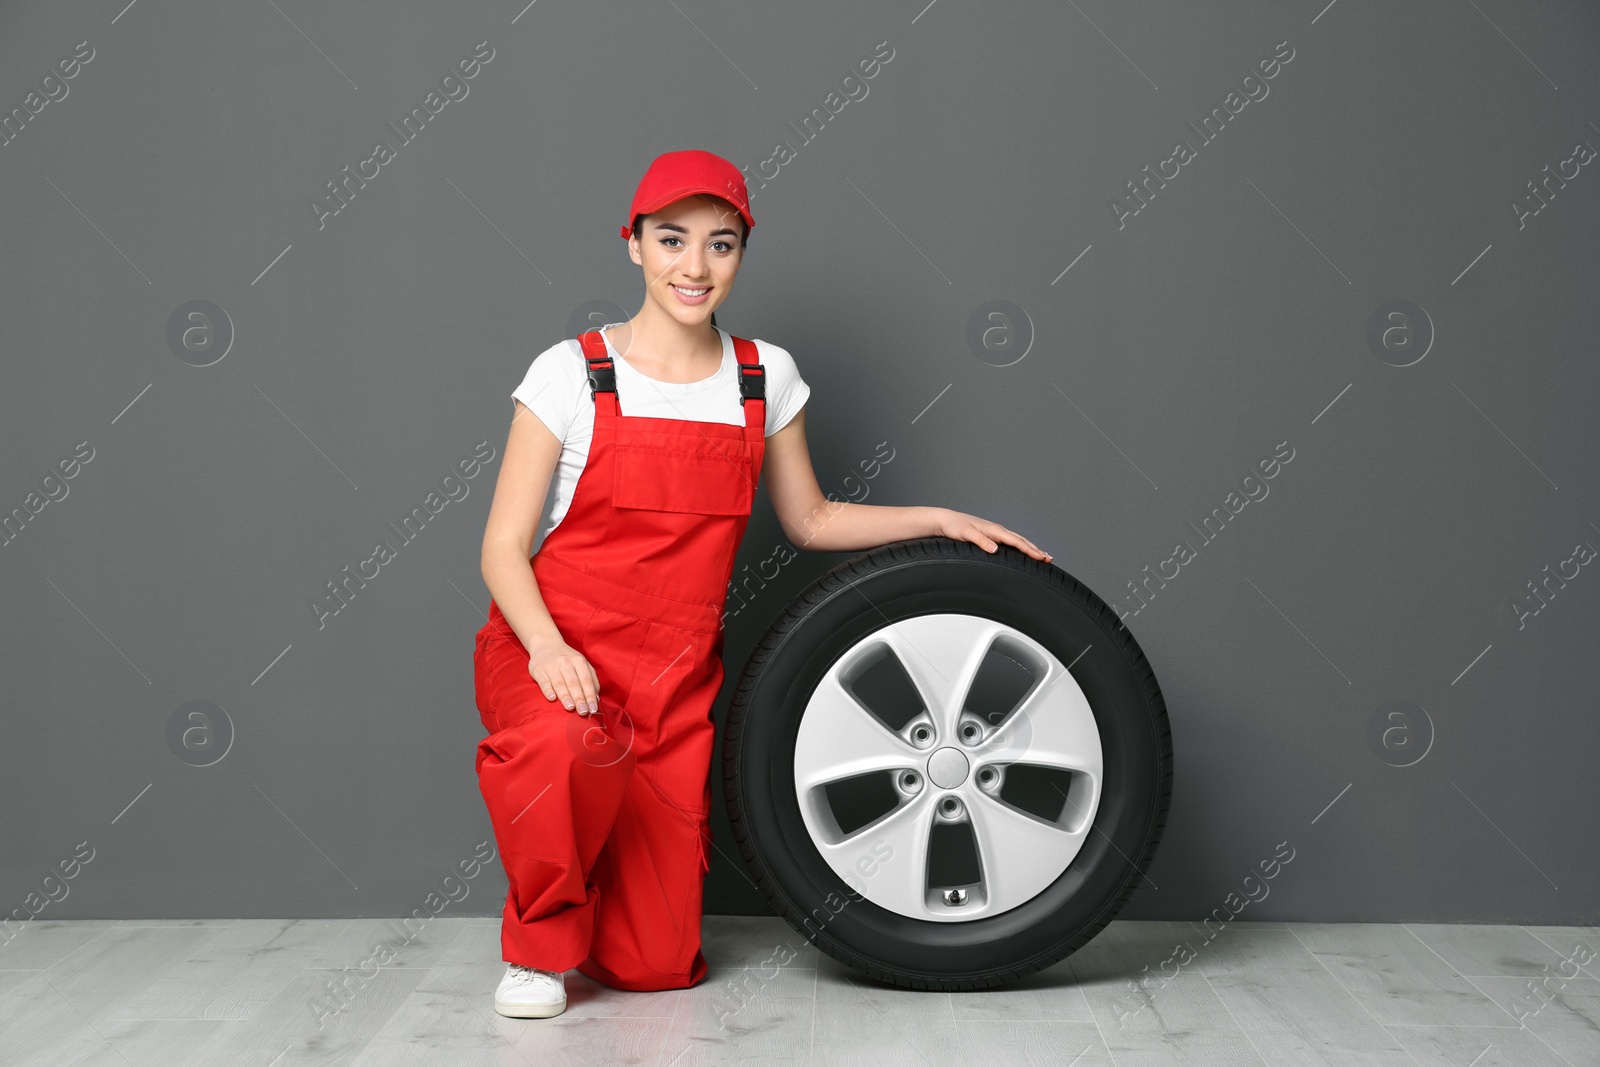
[[834, 616]]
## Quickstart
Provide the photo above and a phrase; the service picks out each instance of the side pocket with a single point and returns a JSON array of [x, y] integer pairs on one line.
[[490, 659], [480, 686]]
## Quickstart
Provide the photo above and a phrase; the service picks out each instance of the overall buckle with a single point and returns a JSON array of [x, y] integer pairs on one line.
[[602, 376], [752, 381]]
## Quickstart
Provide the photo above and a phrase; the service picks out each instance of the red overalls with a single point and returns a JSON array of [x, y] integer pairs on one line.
[[603, 821]]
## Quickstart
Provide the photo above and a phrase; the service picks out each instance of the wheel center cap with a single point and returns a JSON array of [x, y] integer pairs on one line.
[[947, 768]]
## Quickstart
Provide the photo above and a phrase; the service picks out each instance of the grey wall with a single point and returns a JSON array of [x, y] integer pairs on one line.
[[1353, 267]]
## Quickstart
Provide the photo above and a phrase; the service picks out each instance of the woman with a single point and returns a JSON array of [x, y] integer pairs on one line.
[[602, 655]]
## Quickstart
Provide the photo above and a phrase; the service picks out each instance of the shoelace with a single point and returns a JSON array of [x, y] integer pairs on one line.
[[520, 973]]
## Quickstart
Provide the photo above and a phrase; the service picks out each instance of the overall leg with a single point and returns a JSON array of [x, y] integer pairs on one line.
[[651, 875], [552, 781]]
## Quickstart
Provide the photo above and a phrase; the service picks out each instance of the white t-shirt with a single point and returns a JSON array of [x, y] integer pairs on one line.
[[556, 389]]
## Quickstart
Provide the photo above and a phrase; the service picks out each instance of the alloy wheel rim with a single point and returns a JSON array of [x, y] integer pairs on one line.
[[948, 767]]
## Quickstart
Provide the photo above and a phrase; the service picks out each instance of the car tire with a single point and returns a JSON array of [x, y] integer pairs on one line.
[[928, 690]]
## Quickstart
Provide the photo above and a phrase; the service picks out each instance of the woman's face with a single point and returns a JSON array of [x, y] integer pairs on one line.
[[690, 245]]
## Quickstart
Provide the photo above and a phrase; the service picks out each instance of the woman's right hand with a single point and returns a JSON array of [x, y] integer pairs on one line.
[[563, 673]]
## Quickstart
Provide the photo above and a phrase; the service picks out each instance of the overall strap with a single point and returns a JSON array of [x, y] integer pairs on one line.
[[752, 384], [603, 378], [602, 375]]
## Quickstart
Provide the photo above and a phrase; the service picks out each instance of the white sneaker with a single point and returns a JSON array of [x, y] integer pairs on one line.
[[529, 993]]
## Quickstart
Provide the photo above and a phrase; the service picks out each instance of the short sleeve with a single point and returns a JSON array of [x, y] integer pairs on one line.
[[787, 392], [550, 389]]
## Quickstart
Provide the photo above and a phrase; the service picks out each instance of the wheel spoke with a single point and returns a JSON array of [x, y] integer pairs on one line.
[[838, 738], [941, 653], [1054, 727], [1020, 855], [899, 882]]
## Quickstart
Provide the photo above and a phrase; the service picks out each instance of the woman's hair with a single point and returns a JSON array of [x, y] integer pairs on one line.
[[744, 239], [744, 230]]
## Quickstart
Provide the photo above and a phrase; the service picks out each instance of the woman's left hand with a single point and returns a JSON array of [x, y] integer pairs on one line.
[[960, 526]]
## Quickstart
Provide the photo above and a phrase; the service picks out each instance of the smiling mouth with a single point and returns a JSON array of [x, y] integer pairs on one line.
[[702, 291]]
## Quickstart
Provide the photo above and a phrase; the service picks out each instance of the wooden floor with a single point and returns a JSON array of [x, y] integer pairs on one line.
[[249, 992]]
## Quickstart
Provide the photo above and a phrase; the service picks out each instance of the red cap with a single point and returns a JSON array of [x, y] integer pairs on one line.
[[675, 175]]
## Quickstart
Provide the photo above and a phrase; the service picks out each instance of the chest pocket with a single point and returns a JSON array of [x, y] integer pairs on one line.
[[696, 483]]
